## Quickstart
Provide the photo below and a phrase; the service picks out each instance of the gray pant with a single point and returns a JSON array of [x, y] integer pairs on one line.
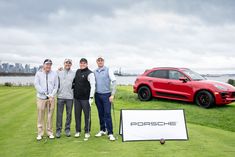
[[59, 116], [79, 106]]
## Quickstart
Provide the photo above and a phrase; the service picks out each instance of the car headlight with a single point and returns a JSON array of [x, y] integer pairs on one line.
[[220, 87]]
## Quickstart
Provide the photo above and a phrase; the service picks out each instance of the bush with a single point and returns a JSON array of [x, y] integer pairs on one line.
[[231, 81], [8, 84]]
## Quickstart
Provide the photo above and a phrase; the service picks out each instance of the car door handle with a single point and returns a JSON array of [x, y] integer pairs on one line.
[[170, 83]]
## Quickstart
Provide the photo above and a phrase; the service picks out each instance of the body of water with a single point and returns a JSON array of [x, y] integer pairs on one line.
[[121, 80], [28, 80]]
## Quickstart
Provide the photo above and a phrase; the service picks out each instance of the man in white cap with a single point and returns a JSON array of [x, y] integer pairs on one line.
[[65, 98], [46, 84], [104, 95]]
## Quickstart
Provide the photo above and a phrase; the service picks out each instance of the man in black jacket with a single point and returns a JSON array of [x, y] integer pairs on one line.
[[84, 88]]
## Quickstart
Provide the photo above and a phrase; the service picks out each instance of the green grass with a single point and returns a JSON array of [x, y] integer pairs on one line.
[[211, 131]]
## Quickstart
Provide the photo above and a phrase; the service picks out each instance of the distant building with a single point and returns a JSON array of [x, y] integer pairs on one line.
[[5, 67], [34, 70], [19, 68], [1, 68], [11, 68], [27, 68]]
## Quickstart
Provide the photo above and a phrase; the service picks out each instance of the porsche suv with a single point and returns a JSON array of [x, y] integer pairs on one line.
[[182, 84]]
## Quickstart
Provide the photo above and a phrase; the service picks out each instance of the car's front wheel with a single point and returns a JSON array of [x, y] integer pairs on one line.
[[205, 99], [144, 93]]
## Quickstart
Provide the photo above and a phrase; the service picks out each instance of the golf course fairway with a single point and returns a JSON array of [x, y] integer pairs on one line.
[[211, 131]]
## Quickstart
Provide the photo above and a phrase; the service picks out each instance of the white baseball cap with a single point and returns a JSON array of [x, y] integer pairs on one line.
[[100, 57], [68, 60]]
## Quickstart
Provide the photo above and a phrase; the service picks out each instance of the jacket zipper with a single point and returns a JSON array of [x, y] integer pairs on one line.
[[47, 82]]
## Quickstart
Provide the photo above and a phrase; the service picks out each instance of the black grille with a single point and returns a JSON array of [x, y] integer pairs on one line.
[[224, 94], [233, 94]]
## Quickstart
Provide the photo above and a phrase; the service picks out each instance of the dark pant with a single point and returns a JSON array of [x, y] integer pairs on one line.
[[79, 106], [104, 109], [59, 115]]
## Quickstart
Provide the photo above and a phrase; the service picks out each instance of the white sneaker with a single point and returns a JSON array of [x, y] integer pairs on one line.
[[39, 137], [51, 136], [100, 133], [111, 137], [87, 135], [77, 134]]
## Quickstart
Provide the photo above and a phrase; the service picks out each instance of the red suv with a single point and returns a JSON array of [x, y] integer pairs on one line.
[[182, 84]]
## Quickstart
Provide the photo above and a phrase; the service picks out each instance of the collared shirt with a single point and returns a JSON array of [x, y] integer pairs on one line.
[[46, 84], [91, 79]]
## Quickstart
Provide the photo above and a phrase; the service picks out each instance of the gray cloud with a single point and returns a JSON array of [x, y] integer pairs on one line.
[[132, 34], [211, 11], [33, 12]]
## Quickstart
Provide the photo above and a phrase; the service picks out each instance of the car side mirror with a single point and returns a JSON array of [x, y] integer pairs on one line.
[[183, 79]]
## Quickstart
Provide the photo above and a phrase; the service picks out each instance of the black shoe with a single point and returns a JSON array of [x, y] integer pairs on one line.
[[58, 135], [67, 133]]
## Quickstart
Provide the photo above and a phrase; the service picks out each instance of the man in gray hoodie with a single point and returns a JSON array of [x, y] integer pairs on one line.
[[46, 84], [65, 97]]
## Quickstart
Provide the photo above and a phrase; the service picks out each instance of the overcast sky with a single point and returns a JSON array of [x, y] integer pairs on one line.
[[132, 34]]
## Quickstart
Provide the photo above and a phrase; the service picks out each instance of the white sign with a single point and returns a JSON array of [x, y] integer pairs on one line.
[[138, 125]]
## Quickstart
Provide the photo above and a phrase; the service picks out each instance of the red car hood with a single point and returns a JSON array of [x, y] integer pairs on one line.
[[226, 86]]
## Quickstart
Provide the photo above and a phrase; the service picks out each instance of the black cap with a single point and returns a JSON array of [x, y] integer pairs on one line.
[[47, 61], [83, 60]]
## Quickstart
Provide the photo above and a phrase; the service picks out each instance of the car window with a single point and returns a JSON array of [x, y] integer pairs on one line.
[[195, 76], [175, 75], [159, 74]]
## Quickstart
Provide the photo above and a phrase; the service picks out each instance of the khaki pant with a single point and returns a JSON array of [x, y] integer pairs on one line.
[[45, 107]]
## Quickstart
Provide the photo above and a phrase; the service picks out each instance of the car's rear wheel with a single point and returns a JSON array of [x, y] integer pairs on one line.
[[205, 99], [144, 93]]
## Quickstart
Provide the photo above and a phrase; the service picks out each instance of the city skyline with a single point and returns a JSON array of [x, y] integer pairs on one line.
[[6, 67], [20, 68]]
